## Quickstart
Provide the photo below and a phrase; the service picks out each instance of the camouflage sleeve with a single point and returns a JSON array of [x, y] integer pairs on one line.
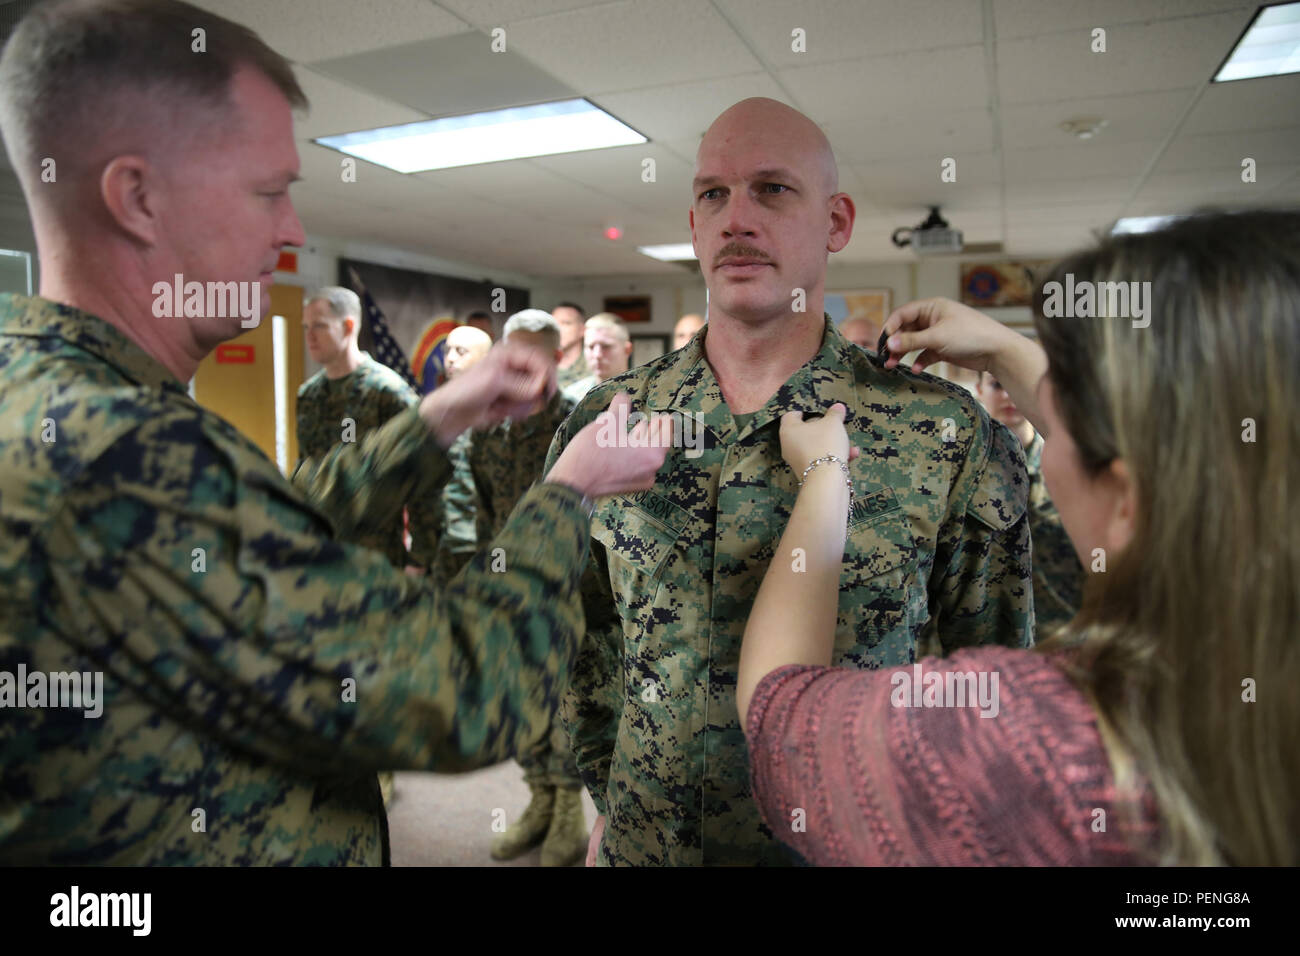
[[213, 592], [484, 514], [301, 430], [426, 514], [459, 536], [361, 486], [429, 519], [593, 706], [982, 563], [398, 400]]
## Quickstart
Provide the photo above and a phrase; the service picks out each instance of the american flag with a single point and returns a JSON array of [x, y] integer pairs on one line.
[[386, 348]]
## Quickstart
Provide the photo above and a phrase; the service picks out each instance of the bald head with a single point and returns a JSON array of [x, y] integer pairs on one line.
[[767, 127], [766, 212], [466, 345]]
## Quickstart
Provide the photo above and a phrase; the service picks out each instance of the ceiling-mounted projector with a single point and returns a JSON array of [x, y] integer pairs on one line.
[[931, 237]]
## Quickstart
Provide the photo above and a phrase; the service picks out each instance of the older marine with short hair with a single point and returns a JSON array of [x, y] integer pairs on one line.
[[350, 397], [505, 461], [258, 665]]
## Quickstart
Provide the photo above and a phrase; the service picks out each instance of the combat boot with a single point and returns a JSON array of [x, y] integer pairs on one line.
[[530, 829], [566, 841]]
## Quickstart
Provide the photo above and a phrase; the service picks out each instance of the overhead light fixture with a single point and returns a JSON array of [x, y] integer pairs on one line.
[[1269, 47], [1136, 224], [672, 252], [565, 126]]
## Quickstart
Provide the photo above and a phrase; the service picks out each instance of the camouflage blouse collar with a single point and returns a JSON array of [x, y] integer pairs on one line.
[[42, 318], [686, 384]]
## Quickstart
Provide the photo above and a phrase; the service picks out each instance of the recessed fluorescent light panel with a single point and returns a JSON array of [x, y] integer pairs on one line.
[[673, 252], [1137, 224], [1270, 47], [566, 126]]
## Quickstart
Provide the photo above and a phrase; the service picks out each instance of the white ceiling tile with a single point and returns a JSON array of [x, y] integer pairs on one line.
[[1080, 190], [323, 172], [326, 28], [483, 79], [921, 137], [1166, 55], [1026, 18], [1263, 103], [902, 85], [1133, 116], [618, 172], [339, 108], [1226, 151], [683, 111], [627, 46], [491, 13], [1190, 188], [1073, 215], [1047, 242], [1079, 157], [896, 183], [851, 29]]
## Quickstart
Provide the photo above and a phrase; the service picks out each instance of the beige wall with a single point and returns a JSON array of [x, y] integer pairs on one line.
[[244, 394]]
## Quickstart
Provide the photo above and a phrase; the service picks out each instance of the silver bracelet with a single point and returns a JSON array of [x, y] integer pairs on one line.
[[824, 459]]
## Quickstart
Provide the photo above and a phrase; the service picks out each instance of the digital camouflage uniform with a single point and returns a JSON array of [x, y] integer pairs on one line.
[[347, 409], [937, 558], [230, 616], [1058, 575], [332, 410], [452, 531], [505, 462], [567, 376]]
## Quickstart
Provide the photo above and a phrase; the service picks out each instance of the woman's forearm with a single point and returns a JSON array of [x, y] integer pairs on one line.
[[1019, 365], [793, 617]]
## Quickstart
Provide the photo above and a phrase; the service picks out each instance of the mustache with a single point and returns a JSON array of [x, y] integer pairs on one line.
[[740, 250]]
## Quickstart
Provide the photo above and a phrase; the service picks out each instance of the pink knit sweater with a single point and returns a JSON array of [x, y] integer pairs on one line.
[[863, 768]]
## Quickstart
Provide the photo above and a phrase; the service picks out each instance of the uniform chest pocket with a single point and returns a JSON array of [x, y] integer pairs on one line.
[[880, 594], [635, 540]]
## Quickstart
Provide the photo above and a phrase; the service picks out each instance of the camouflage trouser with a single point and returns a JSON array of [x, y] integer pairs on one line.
[[550, 762]]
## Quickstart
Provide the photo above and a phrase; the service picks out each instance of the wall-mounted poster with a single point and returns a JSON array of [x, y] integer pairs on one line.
[[647, 348], [629, 308], [874, 305], [995, 285]]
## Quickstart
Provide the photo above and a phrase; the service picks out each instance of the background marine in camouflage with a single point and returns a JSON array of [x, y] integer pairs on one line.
[[505, 461], [1058, 575], [351, 396], [573, 365]]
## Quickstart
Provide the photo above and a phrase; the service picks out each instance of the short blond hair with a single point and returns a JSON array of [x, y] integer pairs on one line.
[[608, 320]]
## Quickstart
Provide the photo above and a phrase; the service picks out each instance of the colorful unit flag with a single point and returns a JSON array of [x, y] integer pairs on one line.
[[429, 362]]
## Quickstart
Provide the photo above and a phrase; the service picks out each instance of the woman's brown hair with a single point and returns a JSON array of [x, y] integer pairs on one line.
[[1188, 640]]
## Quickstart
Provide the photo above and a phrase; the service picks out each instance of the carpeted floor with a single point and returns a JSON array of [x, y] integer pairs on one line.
[[446, 819]]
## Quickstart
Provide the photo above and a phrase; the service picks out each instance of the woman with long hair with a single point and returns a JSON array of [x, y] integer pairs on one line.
[[1159, 725]]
